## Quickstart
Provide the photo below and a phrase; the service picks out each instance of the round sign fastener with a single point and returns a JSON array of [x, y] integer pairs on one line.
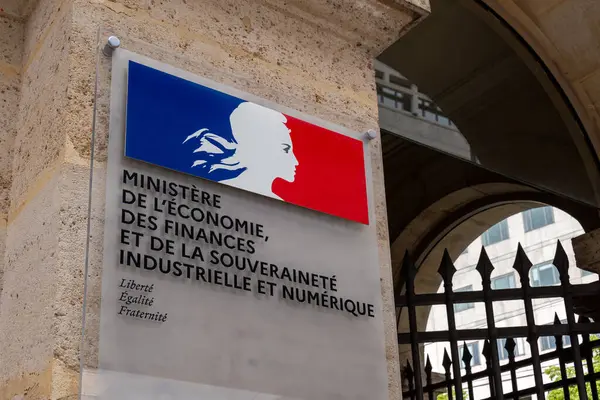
[[371, 134], [112, 43]]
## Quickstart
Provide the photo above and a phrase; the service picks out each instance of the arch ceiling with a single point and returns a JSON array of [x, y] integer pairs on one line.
[[501, 99], [564, 33]]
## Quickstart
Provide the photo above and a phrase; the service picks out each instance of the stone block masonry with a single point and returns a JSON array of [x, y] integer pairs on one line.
[[310, 55]]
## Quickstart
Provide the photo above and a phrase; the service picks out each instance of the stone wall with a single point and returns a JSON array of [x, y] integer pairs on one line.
[[311, 55], [11, 47], [29, 321]]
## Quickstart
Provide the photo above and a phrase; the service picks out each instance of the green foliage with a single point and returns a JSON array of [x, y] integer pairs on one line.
[[553, 372], [444, 396]]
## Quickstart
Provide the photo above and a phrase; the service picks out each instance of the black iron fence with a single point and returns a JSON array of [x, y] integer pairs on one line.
[[580, 376]]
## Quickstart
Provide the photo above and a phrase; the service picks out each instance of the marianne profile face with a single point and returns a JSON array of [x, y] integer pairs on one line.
[[261, 149]]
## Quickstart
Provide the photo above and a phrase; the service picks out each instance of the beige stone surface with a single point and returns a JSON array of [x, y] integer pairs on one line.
[[564, 33], [311, 55], [11, 42], [2, 248], [11, 46], [40, 136], [387, 279], [28, 319], [27, 308], [69, 277], [18, 8], [587, 251], [419, 6], [36, 385], [9, 89]]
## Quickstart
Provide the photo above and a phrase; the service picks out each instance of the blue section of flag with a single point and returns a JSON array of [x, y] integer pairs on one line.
[[163, 110]]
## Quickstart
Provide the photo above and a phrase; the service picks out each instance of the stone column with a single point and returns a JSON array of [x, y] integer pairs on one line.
[[37, 285], [11, 47], [311, 55]]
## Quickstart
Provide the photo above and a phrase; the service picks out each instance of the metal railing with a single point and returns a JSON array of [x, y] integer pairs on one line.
[[454, 381]]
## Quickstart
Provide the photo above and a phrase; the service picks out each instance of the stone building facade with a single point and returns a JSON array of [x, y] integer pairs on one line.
[[315, 56]]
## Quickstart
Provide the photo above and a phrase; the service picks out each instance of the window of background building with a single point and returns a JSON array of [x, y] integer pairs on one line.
[[474, 350], [495, 234], [458, 307], [504, 282], [549, 343], [537, 218], [503, 354], [378, 74], [544, 274]]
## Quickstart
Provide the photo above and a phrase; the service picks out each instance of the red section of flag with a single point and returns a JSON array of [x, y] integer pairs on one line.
[[330, 176]]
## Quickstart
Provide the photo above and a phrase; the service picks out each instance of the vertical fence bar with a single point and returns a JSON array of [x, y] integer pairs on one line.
[[408, 371], [561, 360], [398, 316], [409, 272], [428, 369], [486, 352], [447, 363], [589, 358], [485, 268], [447, 271], [510, 346], [522, 265], [561, 262], [467, 357]]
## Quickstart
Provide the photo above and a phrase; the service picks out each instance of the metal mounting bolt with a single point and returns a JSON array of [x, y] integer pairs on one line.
[[112, 43], [371, 134]]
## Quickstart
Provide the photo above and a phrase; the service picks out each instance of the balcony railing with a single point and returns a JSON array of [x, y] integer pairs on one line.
[[400, 95]]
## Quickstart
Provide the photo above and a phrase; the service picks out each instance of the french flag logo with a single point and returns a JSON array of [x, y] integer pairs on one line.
[[190, 128]]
